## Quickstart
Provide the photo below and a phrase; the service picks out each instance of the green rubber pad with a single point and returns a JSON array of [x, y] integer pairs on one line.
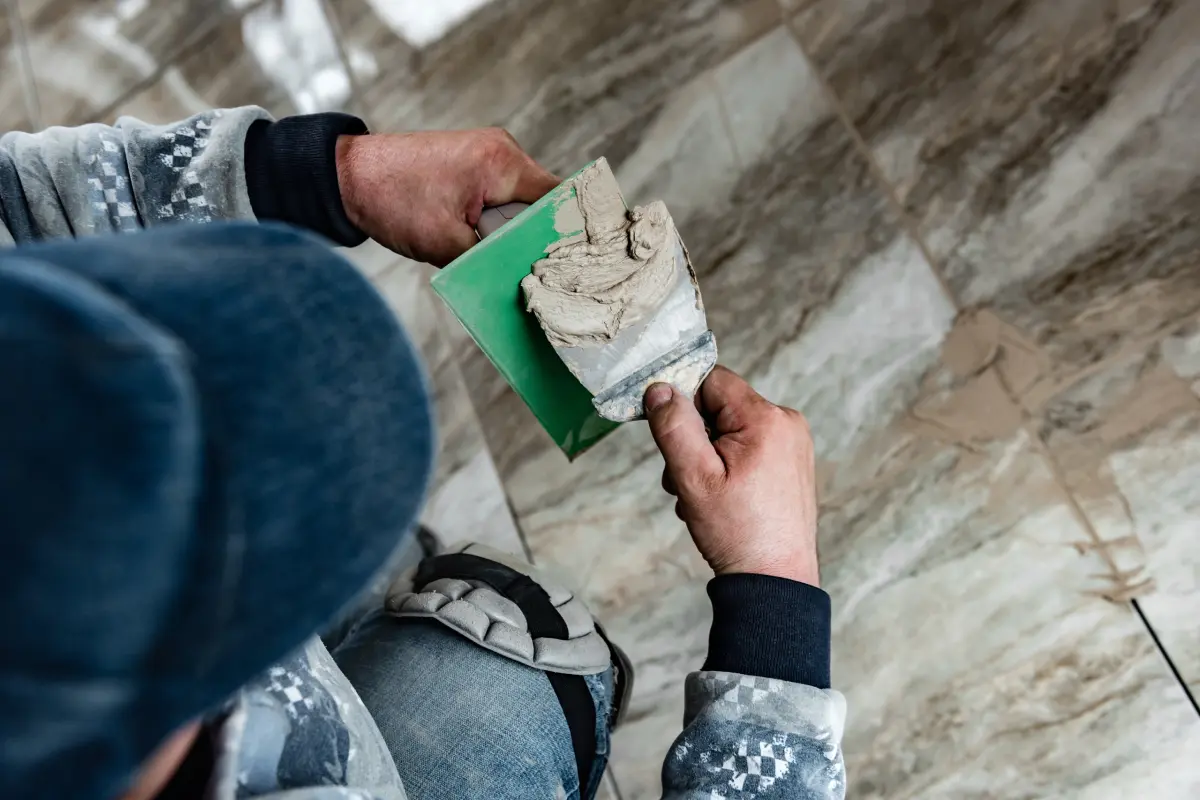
[[483, 289]]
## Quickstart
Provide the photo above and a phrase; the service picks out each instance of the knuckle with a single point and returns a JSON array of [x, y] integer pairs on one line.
[[708, 484], [502, 139], [492, 145], [785, 418], [775, 417], [670, 428], [781, 423], [800, 423]]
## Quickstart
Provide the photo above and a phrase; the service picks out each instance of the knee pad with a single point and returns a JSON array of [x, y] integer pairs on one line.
[[505, 605]]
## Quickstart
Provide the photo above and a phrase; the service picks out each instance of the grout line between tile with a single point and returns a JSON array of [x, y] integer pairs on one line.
[[29, 91], [630, 116], [451, 363], [1030, 429], [726, 119], [908, 224], [513, 513]]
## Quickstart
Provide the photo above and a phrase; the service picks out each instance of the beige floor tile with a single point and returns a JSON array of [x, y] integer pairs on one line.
[[162, 62], [974, 658], [14, 115], [560, 76], [1044, 149]]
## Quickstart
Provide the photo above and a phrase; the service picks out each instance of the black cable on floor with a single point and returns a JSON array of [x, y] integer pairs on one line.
[[1174, 670]]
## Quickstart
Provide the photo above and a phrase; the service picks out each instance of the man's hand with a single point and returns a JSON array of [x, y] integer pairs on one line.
[[748, 495], [421, 194]]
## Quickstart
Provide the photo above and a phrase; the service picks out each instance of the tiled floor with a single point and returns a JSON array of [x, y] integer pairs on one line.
[[963, 238]]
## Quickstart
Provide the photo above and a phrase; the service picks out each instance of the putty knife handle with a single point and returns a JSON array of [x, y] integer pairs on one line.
[[494, 218]]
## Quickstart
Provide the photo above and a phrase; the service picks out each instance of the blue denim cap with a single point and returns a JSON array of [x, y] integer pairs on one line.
[[211, 438]]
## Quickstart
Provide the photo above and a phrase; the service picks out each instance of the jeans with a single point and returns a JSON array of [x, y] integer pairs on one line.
[[212, 438], [461, 721]]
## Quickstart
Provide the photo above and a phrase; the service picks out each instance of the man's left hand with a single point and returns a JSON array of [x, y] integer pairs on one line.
[[421, 194]]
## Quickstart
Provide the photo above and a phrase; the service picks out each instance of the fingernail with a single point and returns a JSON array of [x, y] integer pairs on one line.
[[658, 396]]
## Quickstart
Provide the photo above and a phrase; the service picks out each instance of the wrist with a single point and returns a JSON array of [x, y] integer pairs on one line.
[[770, 628], [293, 176], [796, 568], [346, 158]]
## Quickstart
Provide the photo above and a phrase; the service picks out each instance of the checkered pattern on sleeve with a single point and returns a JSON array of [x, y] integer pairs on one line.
[[179, 147], [109, 193], [291, 689], [751, 737], [183, 143]]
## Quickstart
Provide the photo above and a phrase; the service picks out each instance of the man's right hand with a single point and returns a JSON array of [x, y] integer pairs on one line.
[[748, 493], [421, 194]]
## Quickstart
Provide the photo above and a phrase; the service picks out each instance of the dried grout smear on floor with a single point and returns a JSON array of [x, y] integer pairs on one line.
[[997, 372], [589, 288]]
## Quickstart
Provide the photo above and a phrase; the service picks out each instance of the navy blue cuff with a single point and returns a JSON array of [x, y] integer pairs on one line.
[[769, 627], [291, 173]]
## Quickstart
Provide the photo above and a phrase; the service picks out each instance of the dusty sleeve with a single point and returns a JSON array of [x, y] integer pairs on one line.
[[98, 178], [746, 736]]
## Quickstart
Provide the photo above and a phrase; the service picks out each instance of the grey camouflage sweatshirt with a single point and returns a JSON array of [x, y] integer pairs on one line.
[[760, 719]]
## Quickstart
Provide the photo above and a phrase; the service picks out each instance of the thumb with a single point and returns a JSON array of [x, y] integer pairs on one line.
[[678, 430]]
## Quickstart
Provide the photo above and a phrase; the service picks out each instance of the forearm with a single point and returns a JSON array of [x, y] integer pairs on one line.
[[760, 714], [98, 179], [233, 164]]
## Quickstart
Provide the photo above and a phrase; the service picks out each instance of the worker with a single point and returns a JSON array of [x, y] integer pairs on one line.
[[213, 436]]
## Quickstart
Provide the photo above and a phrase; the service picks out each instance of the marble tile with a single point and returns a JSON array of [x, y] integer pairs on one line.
[[560, 76], [218, 73], [670, 635], [1044, 149], [164, 61], [87, 55], [975, 659], [608, 789], [14, 109], [1127, 439]]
